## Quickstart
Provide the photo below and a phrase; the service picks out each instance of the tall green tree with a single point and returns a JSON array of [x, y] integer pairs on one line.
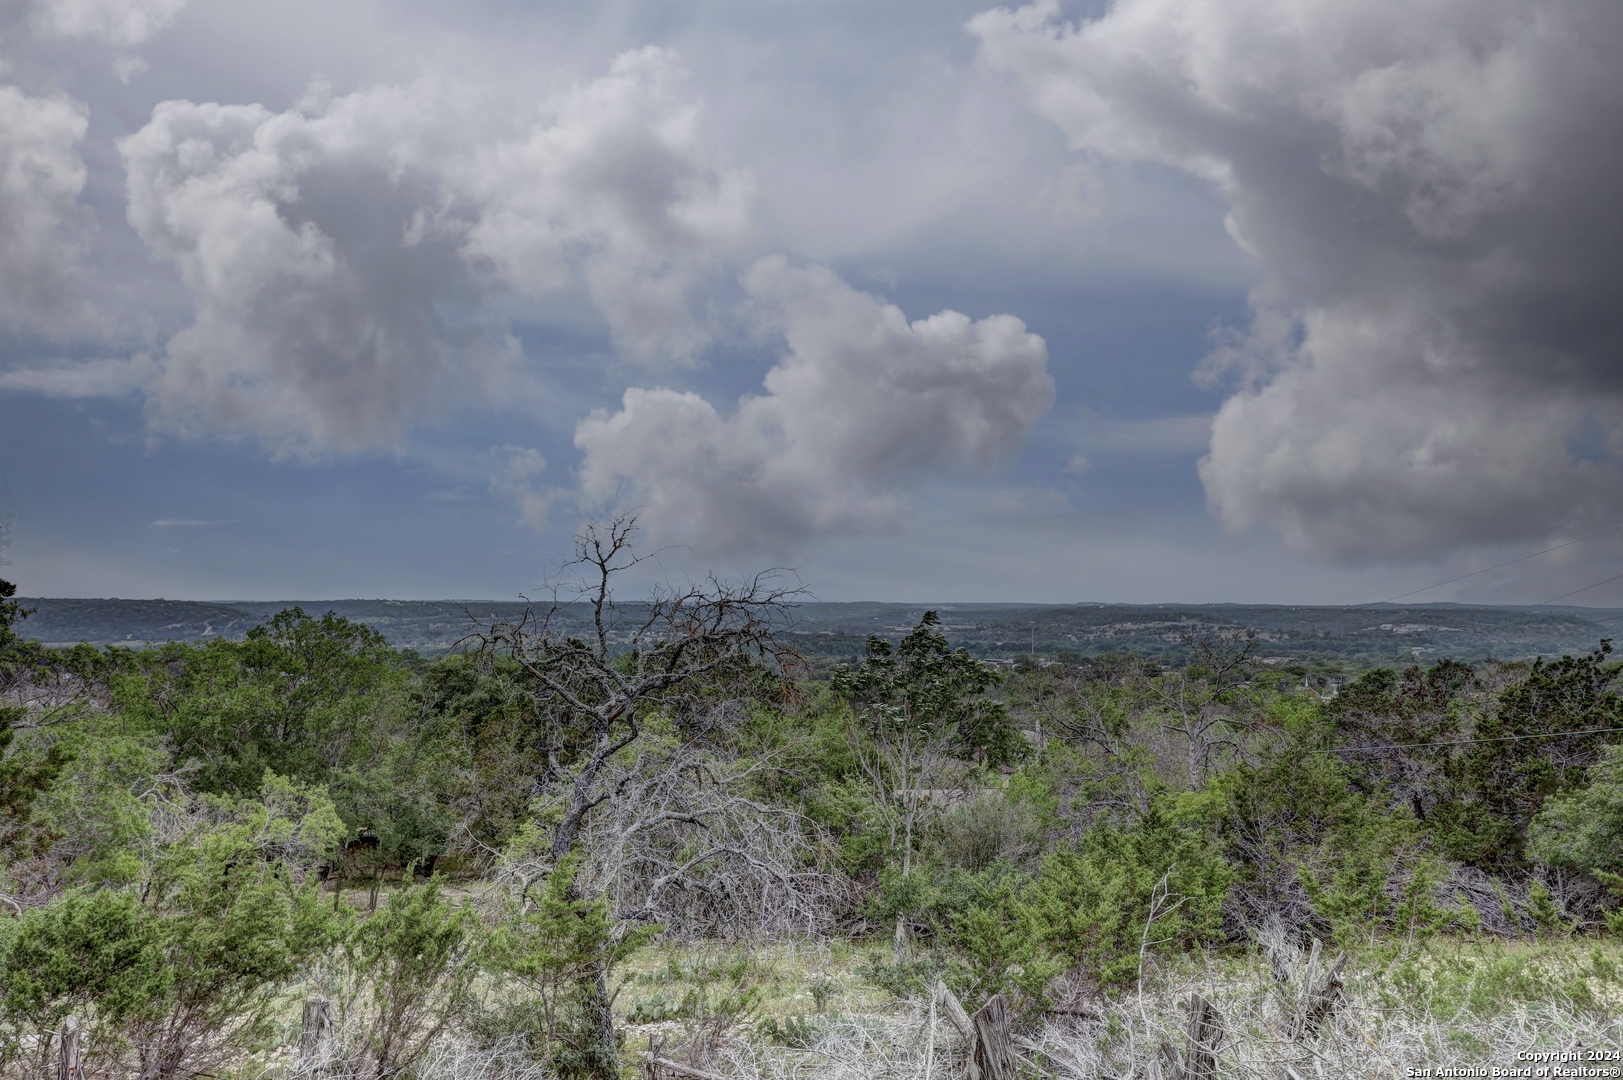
[[301, 696], [933, 690], [1537, 740], [1583, 828], [912, 708]]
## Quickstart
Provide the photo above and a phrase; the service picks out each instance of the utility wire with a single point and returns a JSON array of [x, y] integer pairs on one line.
[[1586, 588], [1467, 742], [1496, 566]]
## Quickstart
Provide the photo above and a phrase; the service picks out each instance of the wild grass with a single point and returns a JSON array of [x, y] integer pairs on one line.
[[807, 1011], [1444, 1003]]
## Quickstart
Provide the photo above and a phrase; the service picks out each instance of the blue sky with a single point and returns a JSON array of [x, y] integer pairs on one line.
[[1273, 302]]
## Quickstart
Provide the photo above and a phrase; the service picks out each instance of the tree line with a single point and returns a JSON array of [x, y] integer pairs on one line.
[[473, 848]]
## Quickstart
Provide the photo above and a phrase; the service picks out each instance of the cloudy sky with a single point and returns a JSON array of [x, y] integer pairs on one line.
[[1138, 301]]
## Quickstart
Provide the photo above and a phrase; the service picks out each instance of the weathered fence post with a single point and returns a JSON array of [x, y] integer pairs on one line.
[[656, 1046], [70, 1062], [994, 1042], [1204, 1034], [955, 1010], [315, 1040]]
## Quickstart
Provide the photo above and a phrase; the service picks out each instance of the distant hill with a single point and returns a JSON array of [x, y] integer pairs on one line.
[[1359, 637], [429, 627]]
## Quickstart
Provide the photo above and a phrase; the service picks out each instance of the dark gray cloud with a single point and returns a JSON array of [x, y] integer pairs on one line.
[[42, 228], [45, 231], [1430, 189]]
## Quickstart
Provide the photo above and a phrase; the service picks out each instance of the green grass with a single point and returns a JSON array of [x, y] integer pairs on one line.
[[775, 987]]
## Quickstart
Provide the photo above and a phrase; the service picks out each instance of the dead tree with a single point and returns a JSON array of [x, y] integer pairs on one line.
[[1309, 990], [595, 690], [1315, 994], [750, 877], [1227, 655], [1206, 712]]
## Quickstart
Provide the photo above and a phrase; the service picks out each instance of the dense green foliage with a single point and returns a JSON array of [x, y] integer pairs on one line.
[[191, 832], [931, 691]]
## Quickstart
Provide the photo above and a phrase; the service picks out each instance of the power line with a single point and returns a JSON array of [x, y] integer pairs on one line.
[[1586, 588], [1468, 742], [1496, 566]]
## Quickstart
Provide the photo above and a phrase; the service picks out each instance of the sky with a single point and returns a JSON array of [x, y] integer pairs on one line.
[[1143, 301]]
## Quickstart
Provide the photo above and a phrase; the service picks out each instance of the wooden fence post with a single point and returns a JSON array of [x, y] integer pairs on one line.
[[1204, 1034], [70, 1062], [315, 1040], [994, 1042], [955, 1010]]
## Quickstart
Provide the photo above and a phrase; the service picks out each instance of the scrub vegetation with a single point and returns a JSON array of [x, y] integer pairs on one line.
[[575, 841]]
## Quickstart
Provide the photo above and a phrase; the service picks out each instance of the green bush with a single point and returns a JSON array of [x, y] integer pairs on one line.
[[1476, 765], [1583, 829], [94, 953], [554, 943], [1155, 884], [233, 928], [415, 957], [1002, 941], [1294, 819], [101, 807], [1093, 905], [991, 828], [300, 696], [181, 965], [903, 978], [23, 775]]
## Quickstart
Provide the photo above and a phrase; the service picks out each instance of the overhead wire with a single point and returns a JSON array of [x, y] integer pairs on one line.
[[1467, 742], [1497, 566], [1474, 573], [1586, 588]]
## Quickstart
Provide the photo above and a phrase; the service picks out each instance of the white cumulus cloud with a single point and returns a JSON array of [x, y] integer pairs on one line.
[[620, 173], [41, 225], [319, 326], [1436, 358], [344, 253], [861, 409]]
